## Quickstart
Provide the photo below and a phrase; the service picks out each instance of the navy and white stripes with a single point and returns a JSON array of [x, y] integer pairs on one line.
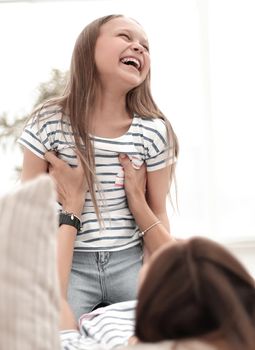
[[146, 140], [108, 328]]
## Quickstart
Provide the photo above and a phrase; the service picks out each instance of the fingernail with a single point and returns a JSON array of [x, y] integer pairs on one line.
[[136, 162]]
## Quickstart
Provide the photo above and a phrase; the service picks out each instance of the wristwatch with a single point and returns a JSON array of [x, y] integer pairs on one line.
[[69, 219]]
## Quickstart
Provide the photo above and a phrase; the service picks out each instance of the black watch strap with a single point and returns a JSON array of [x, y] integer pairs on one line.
[[69, 219]]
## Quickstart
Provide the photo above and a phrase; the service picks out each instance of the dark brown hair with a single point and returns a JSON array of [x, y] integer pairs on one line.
[[80, 98], [195, 288]]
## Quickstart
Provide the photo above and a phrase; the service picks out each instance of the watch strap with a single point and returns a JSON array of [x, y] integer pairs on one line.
[[69, 219]]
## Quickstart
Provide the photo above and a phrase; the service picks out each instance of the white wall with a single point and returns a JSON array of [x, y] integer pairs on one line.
[[244, 251], [203, 78]]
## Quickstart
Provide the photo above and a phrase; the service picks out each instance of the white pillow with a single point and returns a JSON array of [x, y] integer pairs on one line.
[[29, 288]]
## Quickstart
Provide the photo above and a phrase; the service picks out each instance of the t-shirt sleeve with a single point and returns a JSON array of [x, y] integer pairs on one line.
[[159, 151], [118, 319], [39, 135]]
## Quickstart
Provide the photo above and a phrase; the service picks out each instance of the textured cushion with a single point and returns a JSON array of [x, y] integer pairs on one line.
[[29, 289]]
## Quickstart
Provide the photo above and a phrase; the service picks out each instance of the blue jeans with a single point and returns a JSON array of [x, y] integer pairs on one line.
[[103, 278]]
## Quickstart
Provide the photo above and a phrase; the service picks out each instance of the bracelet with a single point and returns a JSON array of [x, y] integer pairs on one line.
[[141, 234], [69, 219]]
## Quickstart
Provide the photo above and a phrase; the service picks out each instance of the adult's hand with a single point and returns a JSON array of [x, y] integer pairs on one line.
[[70, 182], [134, 181]]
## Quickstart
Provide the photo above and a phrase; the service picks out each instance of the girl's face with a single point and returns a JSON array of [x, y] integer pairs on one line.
[[122, 54]]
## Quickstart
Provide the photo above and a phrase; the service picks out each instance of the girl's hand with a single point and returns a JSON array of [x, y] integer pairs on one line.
[[70, 182], [134, 181]]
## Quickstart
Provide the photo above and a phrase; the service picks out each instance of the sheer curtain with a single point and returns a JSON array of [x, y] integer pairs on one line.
[[208, 56]]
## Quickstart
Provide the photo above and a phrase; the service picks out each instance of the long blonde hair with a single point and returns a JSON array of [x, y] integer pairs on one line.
[[80, 97]]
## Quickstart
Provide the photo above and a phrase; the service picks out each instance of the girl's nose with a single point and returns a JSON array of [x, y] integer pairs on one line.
[[137, 47]]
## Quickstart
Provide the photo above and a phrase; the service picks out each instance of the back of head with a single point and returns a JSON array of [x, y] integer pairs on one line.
[[193, 289]]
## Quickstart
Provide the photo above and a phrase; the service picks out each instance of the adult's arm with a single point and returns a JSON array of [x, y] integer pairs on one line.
[[144, 215], [71, 188], [156, 195]]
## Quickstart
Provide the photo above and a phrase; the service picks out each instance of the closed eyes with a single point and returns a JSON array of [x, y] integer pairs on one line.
[[128, 37], [146, 47], [125, 36]]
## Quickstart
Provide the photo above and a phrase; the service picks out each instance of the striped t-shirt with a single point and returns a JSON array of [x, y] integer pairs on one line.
[[106, 328], [145, 141]]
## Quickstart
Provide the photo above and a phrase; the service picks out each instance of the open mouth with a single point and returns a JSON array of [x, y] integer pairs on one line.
[[131, 61]]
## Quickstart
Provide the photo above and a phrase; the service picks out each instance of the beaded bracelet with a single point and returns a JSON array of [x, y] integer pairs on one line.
[[141, 234]]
